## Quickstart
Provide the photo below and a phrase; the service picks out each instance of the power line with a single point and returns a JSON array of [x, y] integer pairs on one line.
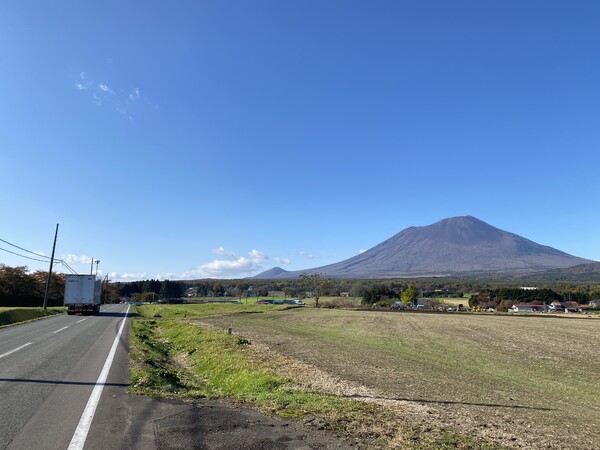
[[24, 249], [60, 261], [23, 256], [64, 263]]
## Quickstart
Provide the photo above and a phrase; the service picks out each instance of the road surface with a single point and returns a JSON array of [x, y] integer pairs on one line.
[[48, 370], [51, 371]]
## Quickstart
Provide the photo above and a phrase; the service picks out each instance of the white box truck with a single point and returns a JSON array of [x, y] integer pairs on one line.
[[82, 294]]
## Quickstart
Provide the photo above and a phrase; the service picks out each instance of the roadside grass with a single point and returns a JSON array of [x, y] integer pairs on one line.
[[14, 315], [173, 356]]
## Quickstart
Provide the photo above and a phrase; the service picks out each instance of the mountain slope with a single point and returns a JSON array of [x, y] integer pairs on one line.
[[458, 245]]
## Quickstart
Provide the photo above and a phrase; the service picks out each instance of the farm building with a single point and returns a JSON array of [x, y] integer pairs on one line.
[[528, 307]]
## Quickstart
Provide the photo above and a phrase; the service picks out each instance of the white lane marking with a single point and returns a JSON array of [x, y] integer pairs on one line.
[[60, 329], [79, 321], [10, 352], [78, 440]]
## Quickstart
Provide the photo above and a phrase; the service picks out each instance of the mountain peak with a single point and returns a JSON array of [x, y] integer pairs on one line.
[[275, 272], [452, 246], [467, 230]]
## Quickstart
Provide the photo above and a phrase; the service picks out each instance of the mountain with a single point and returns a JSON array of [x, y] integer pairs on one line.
[[454, 246], [272, 273], [584, 273]]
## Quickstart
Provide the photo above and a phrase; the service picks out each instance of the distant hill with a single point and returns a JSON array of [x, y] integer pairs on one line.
[[583, 273], [272, 273], [451, 247]]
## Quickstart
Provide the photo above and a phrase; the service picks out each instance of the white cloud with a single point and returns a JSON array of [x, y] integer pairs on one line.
[[167, 276], [123, 100], [77, 259], [361, 250], [224, 253], [255, 254], [282, 260], [104, 88], [134, 94], [231, 266], [114, 276]]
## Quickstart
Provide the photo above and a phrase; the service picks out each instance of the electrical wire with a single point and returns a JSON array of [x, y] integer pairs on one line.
[[25, 250], [64, 263], [57, 261], [23, 256]]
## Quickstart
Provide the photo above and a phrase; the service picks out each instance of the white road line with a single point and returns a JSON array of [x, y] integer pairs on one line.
[[78, 440], [79, 321], [10, 352], [60, 329]]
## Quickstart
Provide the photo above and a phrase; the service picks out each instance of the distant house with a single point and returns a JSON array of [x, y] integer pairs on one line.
[[556, 307], [595, 303], [528, 307], [568, 307], [344, 294], [571, 307]]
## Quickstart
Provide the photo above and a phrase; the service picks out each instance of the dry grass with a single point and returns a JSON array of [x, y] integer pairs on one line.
[[519, 381]]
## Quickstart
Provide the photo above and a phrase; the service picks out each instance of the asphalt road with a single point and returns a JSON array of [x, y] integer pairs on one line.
[[48, 369]]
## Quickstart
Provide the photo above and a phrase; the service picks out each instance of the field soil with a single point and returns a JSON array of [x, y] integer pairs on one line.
[[521, 382]]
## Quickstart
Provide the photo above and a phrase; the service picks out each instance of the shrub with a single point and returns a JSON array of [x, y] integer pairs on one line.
[[339, 303]]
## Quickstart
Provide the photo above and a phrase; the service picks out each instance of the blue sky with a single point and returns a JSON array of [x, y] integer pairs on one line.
[[200, 139]]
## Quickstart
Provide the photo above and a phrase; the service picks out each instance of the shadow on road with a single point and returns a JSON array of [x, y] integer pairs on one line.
[[74, 383], [112, 314]]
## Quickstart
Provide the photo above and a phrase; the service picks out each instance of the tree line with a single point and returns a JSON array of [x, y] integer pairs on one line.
[[150, 290], [19, 287]]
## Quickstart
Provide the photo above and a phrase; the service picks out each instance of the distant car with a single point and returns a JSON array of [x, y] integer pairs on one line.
[[298, 302], [449, 309]]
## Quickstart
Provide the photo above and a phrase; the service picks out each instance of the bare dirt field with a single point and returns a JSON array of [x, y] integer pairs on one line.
[[523, 382]]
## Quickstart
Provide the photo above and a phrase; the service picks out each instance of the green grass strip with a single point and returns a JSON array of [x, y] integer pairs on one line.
[[11, 316]]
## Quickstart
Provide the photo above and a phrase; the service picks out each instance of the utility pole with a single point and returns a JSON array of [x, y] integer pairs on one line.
[[92, 267], [50, 270]]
